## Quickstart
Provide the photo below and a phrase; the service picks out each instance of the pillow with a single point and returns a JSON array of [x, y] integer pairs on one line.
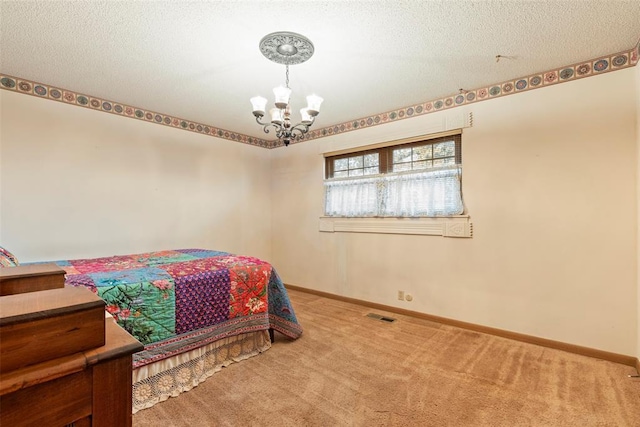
[[7, 259]]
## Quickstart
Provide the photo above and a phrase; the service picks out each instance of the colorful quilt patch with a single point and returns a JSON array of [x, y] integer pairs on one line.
[[106, 264], [248, 289], [145, 310], [164, 257], [76, 279], [201, 253], [124, 277], [236, 261], [187, 268], [279, 299], [202, 300]]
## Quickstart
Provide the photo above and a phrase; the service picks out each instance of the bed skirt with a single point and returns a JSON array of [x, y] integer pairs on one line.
[[166, 378]]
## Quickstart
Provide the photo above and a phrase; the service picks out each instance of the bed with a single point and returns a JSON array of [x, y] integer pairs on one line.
[[194, 310]]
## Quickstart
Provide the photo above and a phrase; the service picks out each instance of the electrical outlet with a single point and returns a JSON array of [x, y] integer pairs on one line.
[[401, 295], [408, 297]]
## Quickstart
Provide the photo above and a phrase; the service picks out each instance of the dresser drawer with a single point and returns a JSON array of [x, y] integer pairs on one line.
[[30, 278], [45, 325], [53, 403]]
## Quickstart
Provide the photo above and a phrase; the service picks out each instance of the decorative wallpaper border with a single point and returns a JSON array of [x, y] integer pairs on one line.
[[53, 93], [601, 65]]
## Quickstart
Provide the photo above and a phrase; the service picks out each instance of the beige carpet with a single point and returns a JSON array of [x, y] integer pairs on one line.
[[351, 370]]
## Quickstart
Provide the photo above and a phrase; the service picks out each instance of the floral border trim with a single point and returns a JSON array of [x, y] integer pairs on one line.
[[576, 71], [601, 65], [53, 93]]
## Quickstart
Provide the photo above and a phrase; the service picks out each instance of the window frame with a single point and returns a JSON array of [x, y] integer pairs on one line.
[[385, 155]]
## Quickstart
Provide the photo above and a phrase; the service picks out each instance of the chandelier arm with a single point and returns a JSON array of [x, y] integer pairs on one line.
[[301, 127], [280, 130], [261, 123], [265, 126], [305, 125]]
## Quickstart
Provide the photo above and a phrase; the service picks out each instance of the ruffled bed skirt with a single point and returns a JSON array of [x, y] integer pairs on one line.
[[158, 381]]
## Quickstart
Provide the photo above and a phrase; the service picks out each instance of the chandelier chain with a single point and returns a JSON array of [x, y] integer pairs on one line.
[[287, 77]]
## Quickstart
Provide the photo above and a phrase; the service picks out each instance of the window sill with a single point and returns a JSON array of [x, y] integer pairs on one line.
[[451, 226]]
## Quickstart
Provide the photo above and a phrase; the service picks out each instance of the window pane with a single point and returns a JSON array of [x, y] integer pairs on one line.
[[371, 171], [340, 164], [444, 149], [444, 162], [401, 167], [355, 172], [401, 155], [340, 174], [371, 160], [422, 153], [420, 165], [355, 162]]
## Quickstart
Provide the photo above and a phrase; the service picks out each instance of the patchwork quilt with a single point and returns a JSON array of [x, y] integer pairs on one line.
[[177, 300]]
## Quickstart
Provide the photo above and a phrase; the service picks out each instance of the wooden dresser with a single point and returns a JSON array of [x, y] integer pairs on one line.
[[30, 278], [61, 361]]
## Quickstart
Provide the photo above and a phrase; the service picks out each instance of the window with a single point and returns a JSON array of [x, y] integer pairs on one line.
[[418, 179]]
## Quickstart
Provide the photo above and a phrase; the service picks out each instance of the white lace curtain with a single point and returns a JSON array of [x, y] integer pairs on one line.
[[411, 194]]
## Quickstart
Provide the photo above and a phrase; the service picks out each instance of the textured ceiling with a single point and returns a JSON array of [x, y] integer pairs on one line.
[[200, 60]]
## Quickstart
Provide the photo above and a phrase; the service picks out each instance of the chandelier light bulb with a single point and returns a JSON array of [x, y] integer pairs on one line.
[[259, 104], [276, 116], [282, 96], [313, 104], [307, 119]]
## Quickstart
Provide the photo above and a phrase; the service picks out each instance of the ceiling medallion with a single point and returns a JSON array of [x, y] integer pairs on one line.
[[286, 48]]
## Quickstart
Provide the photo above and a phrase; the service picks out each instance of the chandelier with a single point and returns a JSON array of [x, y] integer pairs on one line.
[[289, 49]]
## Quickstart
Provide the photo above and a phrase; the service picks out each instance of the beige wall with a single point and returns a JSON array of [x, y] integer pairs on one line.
[[550, 184], [79, 183]]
